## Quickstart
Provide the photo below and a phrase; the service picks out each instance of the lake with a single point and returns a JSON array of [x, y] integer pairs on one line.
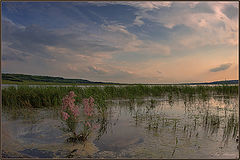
[[149, 127]]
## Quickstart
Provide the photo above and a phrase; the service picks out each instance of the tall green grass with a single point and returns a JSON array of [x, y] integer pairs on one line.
[[36, 97]]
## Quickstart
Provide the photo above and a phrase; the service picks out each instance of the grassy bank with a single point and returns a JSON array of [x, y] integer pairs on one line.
[[23, 79], [36, 97]]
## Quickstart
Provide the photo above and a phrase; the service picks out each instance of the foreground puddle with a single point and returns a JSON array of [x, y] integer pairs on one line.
[[143, 128]]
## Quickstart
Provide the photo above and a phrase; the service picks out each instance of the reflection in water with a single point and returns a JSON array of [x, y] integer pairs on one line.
[[136, 128], [231, 127], [103, 121]]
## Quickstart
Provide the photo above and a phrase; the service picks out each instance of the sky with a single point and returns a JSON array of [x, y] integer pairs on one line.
[[125, 42]]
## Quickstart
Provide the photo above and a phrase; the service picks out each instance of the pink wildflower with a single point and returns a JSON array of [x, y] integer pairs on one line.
[[72, 94], [91, 101], [88, 106], [87, 124], [68, 104], [75, 112], [85, 102], [65, 102], [65, 115], [88, 110], [71, 106]]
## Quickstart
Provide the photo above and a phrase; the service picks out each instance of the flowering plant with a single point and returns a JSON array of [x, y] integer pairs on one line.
[[70, 114]]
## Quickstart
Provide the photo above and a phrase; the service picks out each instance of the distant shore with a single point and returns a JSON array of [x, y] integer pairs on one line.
[[23, 79]]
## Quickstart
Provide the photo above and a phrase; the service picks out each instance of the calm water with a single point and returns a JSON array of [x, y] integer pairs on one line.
[[143, 128]]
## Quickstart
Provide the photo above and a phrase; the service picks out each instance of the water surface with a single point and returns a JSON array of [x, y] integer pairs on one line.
[[143, 128]]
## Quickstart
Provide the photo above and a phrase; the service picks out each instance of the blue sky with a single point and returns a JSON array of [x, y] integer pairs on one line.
[[130, 42]]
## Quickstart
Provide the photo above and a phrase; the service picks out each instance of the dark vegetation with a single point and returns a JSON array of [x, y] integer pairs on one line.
[[36, 97], [31, 79], [215, 82]]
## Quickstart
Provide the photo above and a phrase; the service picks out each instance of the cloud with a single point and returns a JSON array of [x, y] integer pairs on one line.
[[85, 40], [138, 21], [201, 8], [231, 11], [222, 67], [150, 5], [14, 57], [204, 19], [140, 5], [118, 36], [126, 41], [12, 54], [116, 28], [193, 4], [35, 40], [156, 48], [96, 70]]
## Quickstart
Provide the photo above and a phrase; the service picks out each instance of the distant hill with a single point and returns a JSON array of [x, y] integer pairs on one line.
[[32, 79], [23, 78], [215, 82]]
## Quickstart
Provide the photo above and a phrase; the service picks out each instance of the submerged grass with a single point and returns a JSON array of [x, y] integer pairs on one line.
[[231, 127], [49, 96]]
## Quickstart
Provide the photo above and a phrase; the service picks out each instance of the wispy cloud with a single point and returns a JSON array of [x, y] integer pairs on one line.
[[222, 67], [90, 40], [96, 70], [205, 19], [141, 5], [138, 21]]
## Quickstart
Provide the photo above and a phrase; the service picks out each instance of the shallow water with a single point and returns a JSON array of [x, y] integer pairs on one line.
[[143, 128]]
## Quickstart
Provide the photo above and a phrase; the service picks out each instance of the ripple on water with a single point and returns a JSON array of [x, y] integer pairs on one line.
[[131, 132]]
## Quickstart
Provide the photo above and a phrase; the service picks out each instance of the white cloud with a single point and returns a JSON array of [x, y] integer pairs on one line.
[[129, 42], [213, 28], [116, 28], [141, 5], [169, 25], [150, 5], [138, 21]]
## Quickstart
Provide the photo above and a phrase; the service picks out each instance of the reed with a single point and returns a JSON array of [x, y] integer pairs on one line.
[[49, 96]]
